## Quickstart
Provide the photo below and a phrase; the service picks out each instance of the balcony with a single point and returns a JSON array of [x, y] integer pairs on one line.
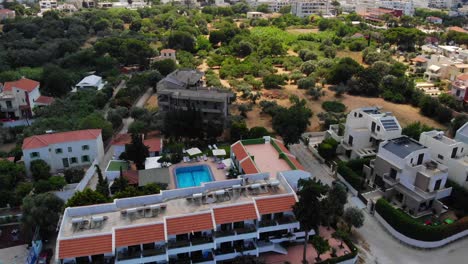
[[224, 233], [154, 252], [285, 222], [178, 244], [346, 145], [245, 230], [201, 240], [267, 222], [207, 258], [128, 255], [389, 180]]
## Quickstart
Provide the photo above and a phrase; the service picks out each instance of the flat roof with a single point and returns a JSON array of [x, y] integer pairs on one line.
[[403, 146], [178, 203], [267, 158]]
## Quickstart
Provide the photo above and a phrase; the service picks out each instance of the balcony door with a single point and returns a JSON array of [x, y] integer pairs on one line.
[[454, 152], [65, 162]]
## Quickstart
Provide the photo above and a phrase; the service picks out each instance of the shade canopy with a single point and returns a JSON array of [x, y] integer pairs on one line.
[[219, 152], [194, 151]]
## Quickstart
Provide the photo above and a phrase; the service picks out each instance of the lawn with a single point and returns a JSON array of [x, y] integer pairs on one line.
[[116, 165]]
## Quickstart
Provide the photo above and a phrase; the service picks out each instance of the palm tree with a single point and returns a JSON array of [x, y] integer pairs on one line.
[[307, 209]]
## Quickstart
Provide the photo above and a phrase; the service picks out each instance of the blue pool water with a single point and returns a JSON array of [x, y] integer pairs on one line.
[[191, 176]]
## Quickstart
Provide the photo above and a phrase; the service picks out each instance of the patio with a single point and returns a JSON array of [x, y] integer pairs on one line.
[[295, 252]]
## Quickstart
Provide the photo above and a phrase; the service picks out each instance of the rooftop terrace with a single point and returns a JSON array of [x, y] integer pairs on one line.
[[403, 146], [104, 218]]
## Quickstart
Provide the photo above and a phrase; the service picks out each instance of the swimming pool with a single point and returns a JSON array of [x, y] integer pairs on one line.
[[190, 176]]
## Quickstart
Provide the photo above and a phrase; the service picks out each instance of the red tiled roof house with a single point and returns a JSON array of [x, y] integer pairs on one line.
[[19, 98], [64, 150]]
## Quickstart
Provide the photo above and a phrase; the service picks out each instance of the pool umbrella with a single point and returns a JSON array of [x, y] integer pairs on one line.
[[219, 152], [194, 151]]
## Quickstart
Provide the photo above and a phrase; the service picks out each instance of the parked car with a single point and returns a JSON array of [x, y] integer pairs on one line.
[[45, 256]]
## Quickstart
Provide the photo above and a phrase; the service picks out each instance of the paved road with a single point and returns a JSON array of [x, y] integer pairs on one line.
[[311, 164], [376, 246]]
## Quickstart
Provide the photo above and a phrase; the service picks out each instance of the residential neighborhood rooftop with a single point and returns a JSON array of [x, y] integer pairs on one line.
[[402, 146], [44, 140], [23, 84]]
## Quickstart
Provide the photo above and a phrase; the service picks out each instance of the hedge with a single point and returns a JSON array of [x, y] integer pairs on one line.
[[273, 142], [349, 175], [286, 158], [412, 228], [253, 141], [348, 256]]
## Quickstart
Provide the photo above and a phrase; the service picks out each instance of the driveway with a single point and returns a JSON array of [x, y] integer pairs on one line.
[[311, 164]]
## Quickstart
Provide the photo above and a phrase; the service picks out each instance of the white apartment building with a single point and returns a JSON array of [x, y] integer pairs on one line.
[[63, 150], [442, 67], [405, 5], [443, 4], [365, 128], [91, 82], [19, 98], [408, 176], [48, 4], [305, 8], [462, 134], [448, 152]]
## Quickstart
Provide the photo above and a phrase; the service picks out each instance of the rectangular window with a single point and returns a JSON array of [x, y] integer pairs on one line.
[[85, 158], [440, 157], [73, 160], [69, 149], [58, 151], [85, 147], [34, 155]]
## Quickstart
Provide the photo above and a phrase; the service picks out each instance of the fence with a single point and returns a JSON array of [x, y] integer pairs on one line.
[[88, 176], [21, 122]]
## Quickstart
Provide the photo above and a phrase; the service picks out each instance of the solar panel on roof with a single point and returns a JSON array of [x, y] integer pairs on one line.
[[390, 124]]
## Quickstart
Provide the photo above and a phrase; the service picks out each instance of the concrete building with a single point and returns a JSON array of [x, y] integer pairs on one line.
[[443, 4], [365, 128], [305, 8], [153, 141], [448, 152], [459, 87], [253, 15], [408, 176], [19, 98], [211, 223], [64, 150], [434, 20], [47, 4], [462, 134], [404, 5], [184, 89], [442, 67]]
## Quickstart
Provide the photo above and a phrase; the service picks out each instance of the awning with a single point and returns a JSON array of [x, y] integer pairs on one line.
[[219, 152], [227, 162], [194, 151]]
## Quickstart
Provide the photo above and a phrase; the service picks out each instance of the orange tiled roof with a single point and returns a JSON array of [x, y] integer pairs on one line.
[[235, 213], [44, 100], [463, 77], [249, 166], [189, 223], [419, 59], [239, 151], [45, 140], [85, 246], [139, 235], [273, 205], [168, 51], [457, 29], [24, 84]]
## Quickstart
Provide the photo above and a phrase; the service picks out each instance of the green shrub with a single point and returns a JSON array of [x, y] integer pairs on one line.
[[350, 176], [327, 148], [412, 228], [358, 164], [333, 106], [253, 141]]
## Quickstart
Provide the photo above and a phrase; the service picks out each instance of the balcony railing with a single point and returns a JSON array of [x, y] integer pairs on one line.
[[287, 219], [128, 255], [246, 229], [224, 233], [179, 261], [201, 240], [178, 244], [154, 252], [389, 180], [224, 251], [267, 222], [208, 257]]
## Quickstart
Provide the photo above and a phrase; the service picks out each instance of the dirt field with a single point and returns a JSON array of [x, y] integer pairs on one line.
[[152, 103], [355, 55], [302, 30]]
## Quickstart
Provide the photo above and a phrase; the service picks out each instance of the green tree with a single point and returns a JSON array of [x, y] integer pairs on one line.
[[458, 122], [129, 191], [333, 205], [55, 81], [138, 127], [353, 217], [308, 208], [165, 66], [273, 81], [120, 183], [327, 148], [137, 151], [41, 211], [415, 129], [291, 122], [340, 234], [96, 121], [263, 8], [57, 182], [258, 132], [40, 170], [86, 197], [343, 71], [321, 245], [182, 40], [239, 130], [102, 185]]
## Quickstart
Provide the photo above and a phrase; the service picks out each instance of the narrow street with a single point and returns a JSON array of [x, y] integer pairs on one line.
[[376, 246], [126, 123]]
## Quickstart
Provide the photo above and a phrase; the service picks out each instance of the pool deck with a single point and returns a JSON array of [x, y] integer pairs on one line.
[[218, 175], [267, 158]]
